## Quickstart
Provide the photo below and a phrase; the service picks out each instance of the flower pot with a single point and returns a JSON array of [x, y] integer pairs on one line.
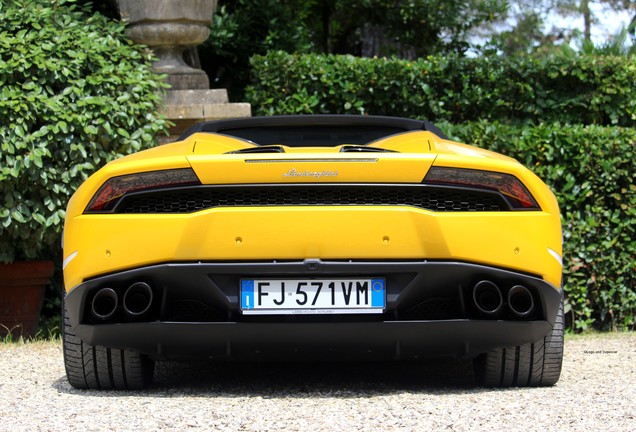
[[22, 286]]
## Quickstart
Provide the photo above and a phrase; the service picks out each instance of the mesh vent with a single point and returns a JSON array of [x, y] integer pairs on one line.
[[433, 309], [191, 199], [193, 311], [363, 149], [259, 149]]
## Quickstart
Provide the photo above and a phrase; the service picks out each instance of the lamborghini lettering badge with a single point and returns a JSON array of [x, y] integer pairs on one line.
[[316, 174]]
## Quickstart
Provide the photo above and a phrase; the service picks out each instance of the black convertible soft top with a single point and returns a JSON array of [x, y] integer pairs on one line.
[[313, 130]]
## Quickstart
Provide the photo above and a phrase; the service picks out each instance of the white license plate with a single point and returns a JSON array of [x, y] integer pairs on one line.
[[312, 296]]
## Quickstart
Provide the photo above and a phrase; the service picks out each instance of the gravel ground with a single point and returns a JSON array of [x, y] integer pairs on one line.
[[597, 391]]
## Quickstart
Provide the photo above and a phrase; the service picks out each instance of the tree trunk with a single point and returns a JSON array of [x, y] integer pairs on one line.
[[587, 19]]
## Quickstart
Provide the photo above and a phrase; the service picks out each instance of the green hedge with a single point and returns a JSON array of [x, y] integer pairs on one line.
[[588, 90], [591, 171], [75, 93]]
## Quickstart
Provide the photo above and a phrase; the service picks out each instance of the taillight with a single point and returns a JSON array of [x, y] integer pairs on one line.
[[508, 185], [116, 187]]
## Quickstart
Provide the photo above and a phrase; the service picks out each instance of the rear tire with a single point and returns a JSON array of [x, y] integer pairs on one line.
[[101, 368], [529, 365]]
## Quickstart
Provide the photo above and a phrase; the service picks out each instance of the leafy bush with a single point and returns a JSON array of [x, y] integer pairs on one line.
[[588, 90], [591, 171], [74, 94]]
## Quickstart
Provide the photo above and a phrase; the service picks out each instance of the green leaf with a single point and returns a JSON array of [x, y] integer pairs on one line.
[[18, 217], [90, 129]]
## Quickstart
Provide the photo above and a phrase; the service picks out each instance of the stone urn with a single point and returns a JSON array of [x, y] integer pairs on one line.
[[168, 27]]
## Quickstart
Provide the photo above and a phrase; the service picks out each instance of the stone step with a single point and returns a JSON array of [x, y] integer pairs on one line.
[[185, 108]]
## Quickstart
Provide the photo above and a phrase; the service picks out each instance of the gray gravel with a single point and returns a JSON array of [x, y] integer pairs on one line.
[[597, 391]]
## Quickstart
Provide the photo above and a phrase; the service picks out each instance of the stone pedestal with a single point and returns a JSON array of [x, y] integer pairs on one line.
[[186, 107], [168, 27]]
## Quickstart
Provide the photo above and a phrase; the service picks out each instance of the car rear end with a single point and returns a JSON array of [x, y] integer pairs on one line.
[[312, 245]]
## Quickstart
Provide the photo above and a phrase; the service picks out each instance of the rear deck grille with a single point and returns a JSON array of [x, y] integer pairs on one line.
[[192, 199]]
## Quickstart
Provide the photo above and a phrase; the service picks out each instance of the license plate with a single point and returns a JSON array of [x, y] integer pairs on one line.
[[310, 296]]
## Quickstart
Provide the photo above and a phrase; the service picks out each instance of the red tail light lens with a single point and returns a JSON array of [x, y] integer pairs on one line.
[[508, 185], [116, 187]]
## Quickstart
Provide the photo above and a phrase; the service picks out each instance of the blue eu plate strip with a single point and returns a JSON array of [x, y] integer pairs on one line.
[[377, 293], [247, 294]]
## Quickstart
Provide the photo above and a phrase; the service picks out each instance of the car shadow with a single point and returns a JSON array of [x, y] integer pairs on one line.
[[302, 379]]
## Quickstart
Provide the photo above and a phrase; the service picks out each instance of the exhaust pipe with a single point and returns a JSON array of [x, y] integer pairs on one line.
[[137, 299], [104, 303], [487, 298], [520, 301]]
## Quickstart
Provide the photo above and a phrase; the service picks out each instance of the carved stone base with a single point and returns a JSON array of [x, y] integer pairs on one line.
[[185, 108], [184, 81]]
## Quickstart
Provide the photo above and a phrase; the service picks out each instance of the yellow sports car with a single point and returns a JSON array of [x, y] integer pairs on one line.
[[312, 237]]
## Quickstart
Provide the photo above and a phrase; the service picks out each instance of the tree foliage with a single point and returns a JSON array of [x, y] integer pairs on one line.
[[407, 28], [539, 27], [585, 9], [243, 28]]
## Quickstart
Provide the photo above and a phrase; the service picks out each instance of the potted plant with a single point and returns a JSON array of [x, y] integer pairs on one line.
[[69, 105]]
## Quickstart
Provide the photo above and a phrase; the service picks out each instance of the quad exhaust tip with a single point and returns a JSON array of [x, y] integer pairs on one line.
[[520, 301], [487, 297], [104, 303], [137, 299]]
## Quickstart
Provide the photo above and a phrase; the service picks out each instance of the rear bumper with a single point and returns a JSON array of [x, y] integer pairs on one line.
[[315, 341], [196, 313]]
